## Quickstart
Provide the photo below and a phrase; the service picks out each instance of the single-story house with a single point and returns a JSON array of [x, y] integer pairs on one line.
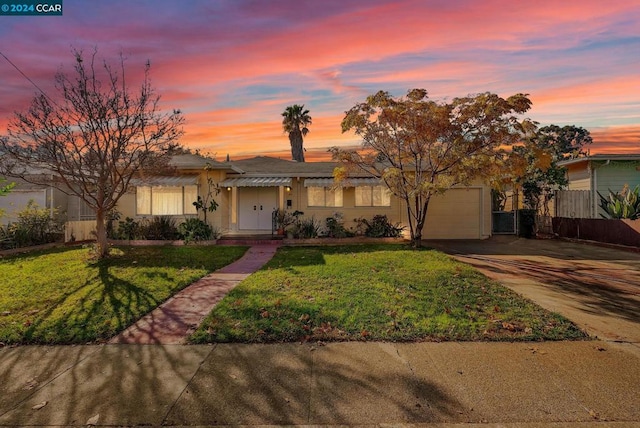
[[599, 174], [251, 189]]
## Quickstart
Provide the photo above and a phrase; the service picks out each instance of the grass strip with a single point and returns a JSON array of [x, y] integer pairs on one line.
[[375, 292]]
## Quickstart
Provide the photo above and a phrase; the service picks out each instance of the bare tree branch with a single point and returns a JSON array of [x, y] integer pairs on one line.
[[94, 138]]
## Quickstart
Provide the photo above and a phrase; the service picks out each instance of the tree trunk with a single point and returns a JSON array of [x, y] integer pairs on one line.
[[416, 241], [102, 247], [416, 236], [297, 152]]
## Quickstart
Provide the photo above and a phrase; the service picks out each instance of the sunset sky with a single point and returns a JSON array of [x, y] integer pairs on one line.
[[233, 66]]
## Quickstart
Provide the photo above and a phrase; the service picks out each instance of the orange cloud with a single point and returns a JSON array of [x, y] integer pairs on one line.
[[616, 139]]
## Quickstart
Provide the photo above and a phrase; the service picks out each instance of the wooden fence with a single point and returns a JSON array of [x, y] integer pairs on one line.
[[621, 232], [573, 204]]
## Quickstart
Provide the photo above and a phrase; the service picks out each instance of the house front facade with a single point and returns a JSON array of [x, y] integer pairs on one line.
[[249, 191]]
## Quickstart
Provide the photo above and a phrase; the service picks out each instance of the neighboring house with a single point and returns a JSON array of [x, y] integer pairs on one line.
[[596, 174], [19, 197], [251, 189]]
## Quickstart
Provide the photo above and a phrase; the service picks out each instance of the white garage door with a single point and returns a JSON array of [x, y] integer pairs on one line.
[[455, 215]]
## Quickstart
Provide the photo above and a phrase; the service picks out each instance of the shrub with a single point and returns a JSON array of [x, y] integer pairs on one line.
[[379, 227], [35, 226], [194, 229], [624, 204], [335, 228], [160, 228], [283, 219], [128, 229], [306, 228]]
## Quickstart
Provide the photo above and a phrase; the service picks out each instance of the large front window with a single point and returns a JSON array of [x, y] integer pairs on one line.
[[166, 200], [324, 197], [373, 196]]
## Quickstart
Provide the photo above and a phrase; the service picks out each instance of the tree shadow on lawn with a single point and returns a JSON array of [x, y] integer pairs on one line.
[[108, 307]]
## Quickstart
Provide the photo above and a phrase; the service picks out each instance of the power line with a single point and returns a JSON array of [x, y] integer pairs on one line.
[[26, 77]]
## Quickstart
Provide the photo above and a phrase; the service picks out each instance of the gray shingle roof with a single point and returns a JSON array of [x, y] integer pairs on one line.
[[191, 161], [268, 166]]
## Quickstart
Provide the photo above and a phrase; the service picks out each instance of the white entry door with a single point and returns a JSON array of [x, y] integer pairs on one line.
[[255, 207]]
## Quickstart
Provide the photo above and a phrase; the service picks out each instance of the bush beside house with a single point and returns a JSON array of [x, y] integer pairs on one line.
[[35, 226]]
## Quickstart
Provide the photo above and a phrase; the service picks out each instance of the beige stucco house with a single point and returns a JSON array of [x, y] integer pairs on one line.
[[251, 189]]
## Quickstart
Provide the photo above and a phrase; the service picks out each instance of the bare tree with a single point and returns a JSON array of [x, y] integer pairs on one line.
[[93, 138], [421, 147]]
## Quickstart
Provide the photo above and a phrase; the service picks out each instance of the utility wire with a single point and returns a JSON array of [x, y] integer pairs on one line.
[[26, 77]]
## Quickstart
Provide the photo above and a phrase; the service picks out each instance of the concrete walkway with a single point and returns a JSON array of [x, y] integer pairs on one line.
[[173, 321], [598, 288]]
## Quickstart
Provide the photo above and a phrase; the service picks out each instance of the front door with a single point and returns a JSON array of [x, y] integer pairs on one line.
[[255, 207]]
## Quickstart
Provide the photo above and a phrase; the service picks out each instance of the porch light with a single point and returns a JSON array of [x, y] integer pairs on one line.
[[288, 188], [228, 189]]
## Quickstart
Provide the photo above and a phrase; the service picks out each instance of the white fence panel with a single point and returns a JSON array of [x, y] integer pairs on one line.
[[83, 230]]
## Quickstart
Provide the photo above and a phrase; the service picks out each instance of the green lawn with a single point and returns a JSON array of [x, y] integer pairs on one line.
[[61, 296], [383, 292]]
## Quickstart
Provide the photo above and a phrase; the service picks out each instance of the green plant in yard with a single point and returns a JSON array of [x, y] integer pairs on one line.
[[194, 229], [128, 229], [334, 227], [375, 292], [35, 226], [307, 228], [4, 189], [62, 296], [379, 227], [624, 204], [283, 219], [206, 203], [160, 228]]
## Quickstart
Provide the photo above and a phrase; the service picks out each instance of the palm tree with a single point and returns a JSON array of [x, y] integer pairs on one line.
[[295, 122]]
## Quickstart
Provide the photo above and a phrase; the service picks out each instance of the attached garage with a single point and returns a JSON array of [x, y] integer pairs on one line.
[[457, 214]]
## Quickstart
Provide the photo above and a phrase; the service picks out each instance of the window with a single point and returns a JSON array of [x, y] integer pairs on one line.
[[373, 196], [166, 200], [324, 197]]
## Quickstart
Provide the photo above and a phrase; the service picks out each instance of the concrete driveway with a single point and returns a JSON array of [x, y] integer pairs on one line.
[[597, 288]]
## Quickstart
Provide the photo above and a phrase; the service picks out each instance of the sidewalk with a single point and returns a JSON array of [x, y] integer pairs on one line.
[[178, 317], [559, 384]]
